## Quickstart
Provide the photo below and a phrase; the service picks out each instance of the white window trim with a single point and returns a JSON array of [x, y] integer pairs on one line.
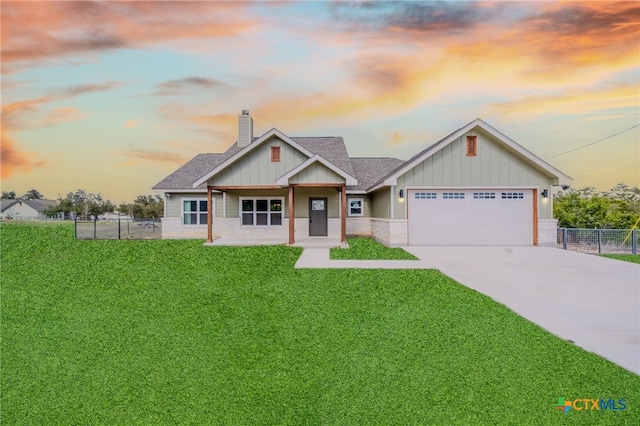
[[197, 199], [349, 213], [263, 197]]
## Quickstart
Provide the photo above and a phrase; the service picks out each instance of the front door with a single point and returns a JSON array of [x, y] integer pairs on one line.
[[317, 217]]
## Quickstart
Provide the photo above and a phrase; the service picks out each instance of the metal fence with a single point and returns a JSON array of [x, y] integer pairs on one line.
[[612, 241], [118, 229]]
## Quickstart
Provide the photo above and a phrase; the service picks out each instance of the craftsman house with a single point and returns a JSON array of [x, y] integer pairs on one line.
[[474, 187]]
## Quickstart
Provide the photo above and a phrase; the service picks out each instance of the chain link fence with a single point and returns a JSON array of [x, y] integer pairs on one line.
[[118, 229], [597, 241]]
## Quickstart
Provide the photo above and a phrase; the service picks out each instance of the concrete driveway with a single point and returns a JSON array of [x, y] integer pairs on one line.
[[590, 300]]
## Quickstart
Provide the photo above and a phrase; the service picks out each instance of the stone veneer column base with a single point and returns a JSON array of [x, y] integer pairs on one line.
[[548, 232], [390, 232]]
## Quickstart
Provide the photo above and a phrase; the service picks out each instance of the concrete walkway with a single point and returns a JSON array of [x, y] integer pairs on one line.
[[318, 258], [590, 300]]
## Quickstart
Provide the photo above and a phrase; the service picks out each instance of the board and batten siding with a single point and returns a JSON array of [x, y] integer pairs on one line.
[[302, 195], [367, 204], [233, 199], [317, 173], [256, 167], [380, 201], [494, 166], [173, 203]]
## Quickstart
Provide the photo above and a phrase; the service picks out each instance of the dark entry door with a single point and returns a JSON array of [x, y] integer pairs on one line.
[[317, 217]]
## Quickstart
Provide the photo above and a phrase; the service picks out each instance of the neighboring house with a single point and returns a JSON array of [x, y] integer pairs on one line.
[[20, 209], [475, 186]]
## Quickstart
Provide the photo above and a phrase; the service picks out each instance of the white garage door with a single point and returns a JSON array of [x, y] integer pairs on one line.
[[470, 217]]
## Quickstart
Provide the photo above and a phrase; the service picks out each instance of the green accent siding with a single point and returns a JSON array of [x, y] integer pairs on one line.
[[256, 167], [233, 199], [302, 195], [174, 203], [494, 165], [380, 201], [317, 173], [367, 204]]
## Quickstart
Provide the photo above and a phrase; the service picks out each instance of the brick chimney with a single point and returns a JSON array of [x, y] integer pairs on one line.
[[245, 129]]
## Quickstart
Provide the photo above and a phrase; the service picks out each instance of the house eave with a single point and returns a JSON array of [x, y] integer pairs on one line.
[[523, 152], [249, 148], [284, 179]]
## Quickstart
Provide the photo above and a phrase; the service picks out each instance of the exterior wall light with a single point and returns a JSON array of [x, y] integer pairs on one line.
[[401, 196], [545, 193]]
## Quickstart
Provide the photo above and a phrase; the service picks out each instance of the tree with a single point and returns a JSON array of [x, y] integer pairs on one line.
[[33, 194], [9, 195], [82, 203], [144, 206], [618, 208]]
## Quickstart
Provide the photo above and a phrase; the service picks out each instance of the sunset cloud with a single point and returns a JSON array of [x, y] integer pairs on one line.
[[56, 29], [14, 160], [157, 156], [62, 114], [574, 101], [162, 81], [131, 123]]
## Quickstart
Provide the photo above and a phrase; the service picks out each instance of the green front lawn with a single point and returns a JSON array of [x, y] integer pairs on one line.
[[171, 332], [361, 248], [634, 258]]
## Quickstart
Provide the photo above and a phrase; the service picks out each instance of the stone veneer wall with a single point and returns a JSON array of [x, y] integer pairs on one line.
[[548, 232], [390, 232], [172, 228], [359, 226]]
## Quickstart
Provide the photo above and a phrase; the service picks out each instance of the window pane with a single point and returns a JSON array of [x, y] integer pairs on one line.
[[276, 205], [190, 206], [247, 218], [203, 206], [203, 218], [247, 205], [190, 218], [262, 205], [261, 218], [276, 218]]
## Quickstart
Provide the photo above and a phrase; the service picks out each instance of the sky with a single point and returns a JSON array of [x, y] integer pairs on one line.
[[111, 97]]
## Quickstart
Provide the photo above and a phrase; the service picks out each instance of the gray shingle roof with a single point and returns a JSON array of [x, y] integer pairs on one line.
[[5, 204], [370, 170], [331, 148], [37, 205], [40, 205]]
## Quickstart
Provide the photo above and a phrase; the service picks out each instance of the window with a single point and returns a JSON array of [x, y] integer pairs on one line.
[[453, 195], [356, 206], [472, 146], [512, 195], [484, 195], [275, 154], [194, 212], [425, 195], [261, 211]]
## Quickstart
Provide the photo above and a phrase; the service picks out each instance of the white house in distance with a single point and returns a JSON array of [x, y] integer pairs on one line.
[[474, 187], [20, 209]]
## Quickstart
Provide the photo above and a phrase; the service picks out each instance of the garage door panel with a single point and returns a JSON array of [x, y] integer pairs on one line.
[[470, 217]]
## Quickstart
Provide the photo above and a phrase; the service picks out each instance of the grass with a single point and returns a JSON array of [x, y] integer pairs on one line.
[[368, 249], [633, 258], [171, 332]]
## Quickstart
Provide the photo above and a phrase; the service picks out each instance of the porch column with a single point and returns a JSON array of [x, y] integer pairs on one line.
[[292, 216], [209, 215], [535, 217], [343, 214]]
